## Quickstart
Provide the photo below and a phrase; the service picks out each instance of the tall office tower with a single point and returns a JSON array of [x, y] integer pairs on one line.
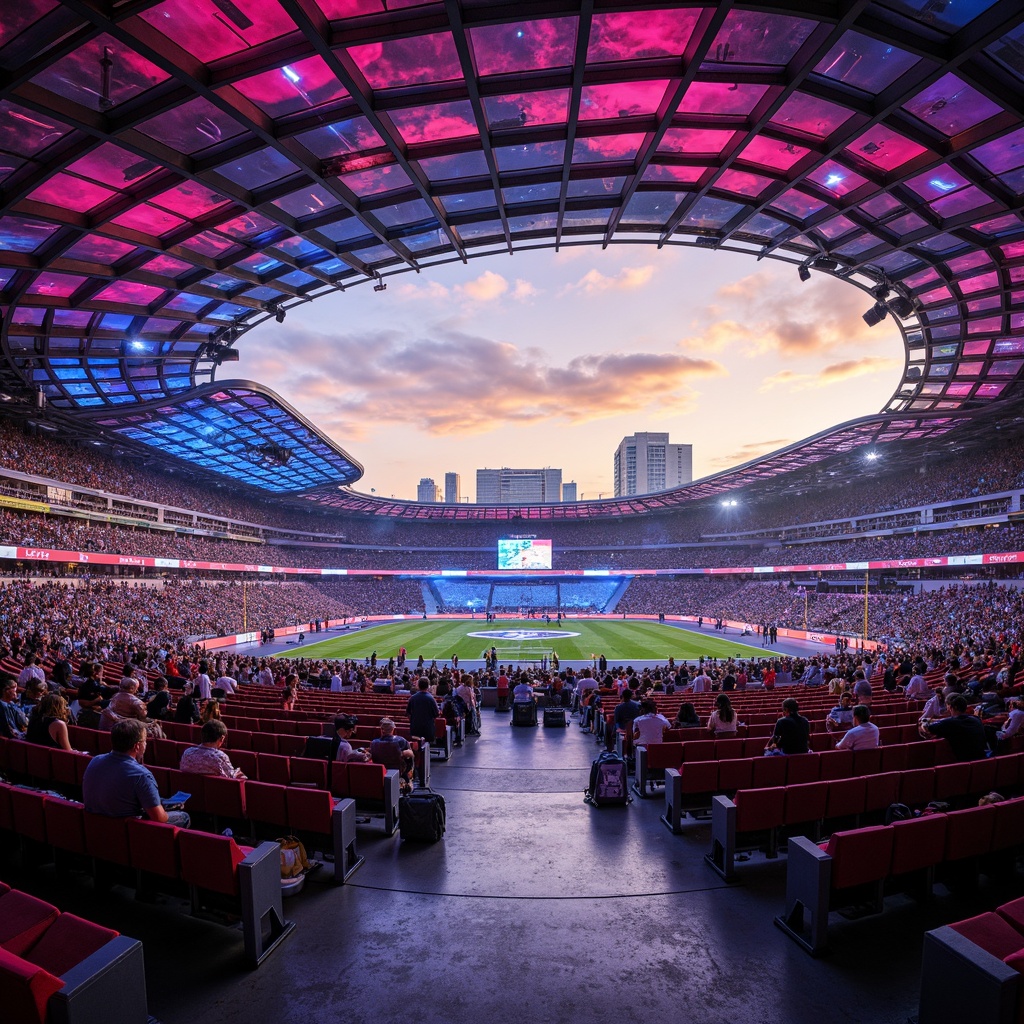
[[452, 488], [645, 463], [428, 491], [518, 486], [569, 491]]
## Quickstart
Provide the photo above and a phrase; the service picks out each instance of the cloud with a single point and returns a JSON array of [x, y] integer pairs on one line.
[[430, 290], [749, 451], [446, 382], [834, 373], [524, 290], [486, 288], [792, 320], [626, 280]]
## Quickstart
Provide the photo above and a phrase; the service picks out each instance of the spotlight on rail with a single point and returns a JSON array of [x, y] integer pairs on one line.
[[901, 307], [804, 272], [876, 314]]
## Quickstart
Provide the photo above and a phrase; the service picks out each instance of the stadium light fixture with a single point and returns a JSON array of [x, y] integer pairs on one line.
[[876, 314], [901, 306], [804, 272], [279, 315], [871, 456], [730, 504]]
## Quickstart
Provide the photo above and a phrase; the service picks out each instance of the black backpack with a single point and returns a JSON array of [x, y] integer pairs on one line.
[[609, 781]]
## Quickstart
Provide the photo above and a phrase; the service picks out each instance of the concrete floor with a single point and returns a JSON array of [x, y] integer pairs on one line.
[[535, 907]]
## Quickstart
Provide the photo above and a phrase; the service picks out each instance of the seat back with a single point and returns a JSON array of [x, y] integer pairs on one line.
[[309, 810], [65, 825], [805, 802], [210, 861], [153, 846], [758, 809], [918, 843], [27, 810], [845, 797], [859, 856], [107, 838], [969, 832]]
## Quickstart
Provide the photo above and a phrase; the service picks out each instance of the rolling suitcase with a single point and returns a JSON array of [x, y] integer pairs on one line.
[[554, 718], [524, 713], [421, 816]]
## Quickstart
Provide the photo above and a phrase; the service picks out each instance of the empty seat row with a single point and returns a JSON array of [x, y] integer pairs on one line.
[[690, 788], [56, 966], [985, 954], [756, 819], [854, 866]]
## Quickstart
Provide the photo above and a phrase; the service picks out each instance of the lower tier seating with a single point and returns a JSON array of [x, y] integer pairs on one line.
[[62, 969]]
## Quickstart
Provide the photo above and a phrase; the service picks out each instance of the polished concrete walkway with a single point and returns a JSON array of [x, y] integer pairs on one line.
[[535, 907]]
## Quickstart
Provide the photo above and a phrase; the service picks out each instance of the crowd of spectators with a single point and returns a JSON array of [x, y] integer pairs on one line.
[[958, 613], [822, 497]]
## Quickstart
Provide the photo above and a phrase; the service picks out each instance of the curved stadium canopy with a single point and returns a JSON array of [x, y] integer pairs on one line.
[[173, 173]]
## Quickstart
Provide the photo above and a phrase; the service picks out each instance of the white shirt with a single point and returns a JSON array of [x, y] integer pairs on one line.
[[651, 728], [336, 683], [202, 686], [266, 677], [227, 684], [1012, 725], [860, 737], [917, 688], [30, 672]]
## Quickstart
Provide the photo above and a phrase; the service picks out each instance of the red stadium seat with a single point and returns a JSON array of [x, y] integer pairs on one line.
[[918, 843]]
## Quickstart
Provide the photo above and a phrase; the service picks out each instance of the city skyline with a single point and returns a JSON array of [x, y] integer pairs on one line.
[[543, 357]]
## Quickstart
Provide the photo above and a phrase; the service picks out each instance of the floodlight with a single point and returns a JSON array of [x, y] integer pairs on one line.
[[901, 307], [279, 315], [871, 456], [826, 263], [805, 274], [876, 314]]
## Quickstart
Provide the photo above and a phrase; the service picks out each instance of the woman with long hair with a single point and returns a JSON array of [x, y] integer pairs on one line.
[[723, 721], [48, 723]]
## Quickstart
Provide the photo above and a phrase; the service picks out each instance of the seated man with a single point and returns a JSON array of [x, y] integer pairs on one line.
[[394, 752], [523, 693], [13, 721], [119, 785], [208, 758], [792, 731], [964, 731], [840, 718], [863, 735]]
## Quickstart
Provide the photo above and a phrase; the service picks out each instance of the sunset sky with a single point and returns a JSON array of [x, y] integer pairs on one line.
[[549, 359]]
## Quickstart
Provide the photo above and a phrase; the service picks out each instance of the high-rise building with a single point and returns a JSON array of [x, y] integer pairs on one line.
[[428, 491], [569, 491], [452, 488], [518, 486], [645, 463]]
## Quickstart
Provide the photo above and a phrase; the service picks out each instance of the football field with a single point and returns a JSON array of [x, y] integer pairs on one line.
[[620, 641]]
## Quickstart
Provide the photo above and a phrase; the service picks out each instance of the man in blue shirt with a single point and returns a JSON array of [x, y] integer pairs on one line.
[[119, 785]]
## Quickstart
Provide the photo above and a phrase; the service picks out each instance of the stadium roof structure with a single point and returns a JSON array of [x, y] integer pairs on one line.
[[175, 173]]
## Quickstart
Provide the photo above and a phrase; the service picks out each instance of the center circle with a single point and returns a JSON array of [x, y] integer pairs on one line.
[[524, 634]]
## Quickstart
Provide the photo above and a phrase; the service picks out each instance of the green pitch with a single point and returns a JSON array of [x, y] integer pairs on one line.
[[620, 641]]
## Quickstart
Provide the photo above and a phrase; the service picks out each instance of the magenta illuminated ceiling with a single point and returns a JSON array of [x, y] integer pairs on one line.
[[181, 170]]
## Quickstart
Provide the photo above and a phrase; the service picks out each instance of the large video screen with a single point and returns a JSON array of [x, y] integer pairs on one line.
[[524, 553]]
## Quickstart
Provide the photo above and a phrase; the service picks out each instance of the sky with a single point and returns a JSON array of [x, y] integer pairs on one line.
[[545, 359]]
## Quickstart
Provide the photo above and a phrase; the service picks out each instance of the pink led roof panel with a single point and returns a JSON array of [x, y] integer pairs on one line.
[[526, 46], [97, 249], [951, 106], [435, 121], [721, 98], [631, 35], [621, 99], [409, 61], [743, 183], [71, 193], [301, 85], [190, 199], [750, 37], [130, 292], [697, 141], [606, 147], [192, 127], [110, 165], [812, 116], [27, 132], [865, 63], [885, 149], [21, 17], [516, 110], [212, 30], [77, 76], [772, 153]]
